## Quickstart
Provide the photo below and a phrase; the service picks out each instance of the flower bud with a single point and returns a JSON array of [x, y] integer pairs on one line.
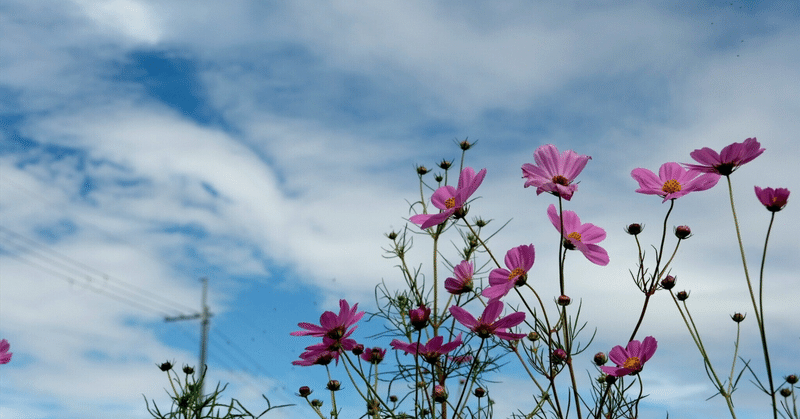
[[600, 358], [439, 394], [669, 282], [188, 370], [559, 356], [304, 391], [634, 229], [786, 392], [438, 178], [533, 336], [421, 170], [738, 317], [333, 385], [444, 164], [480, 222], [480, 392], [682, 295], [610, 379], [683, 232], [419, 317], [316, 403], [564, 300], [791, 379], [166, 366], [465, 145], [391, 235], [393, 398], [358, 349]]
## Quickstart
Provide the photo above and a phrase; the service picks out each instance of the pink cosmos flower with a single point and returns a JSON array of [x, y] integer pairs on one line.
[[673, 181], [449, 199], [725, 162], [463, 278], [554, 172], [431, 351], [488, 323], [333, 326], [773, 199], [5, 356], [519, 261], [631, 359], [418, 317], [373, 355], [315, 355], [580, 236]]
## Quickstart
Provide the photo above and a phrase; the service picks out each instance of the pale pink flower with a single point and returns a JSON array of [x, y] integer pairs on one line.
[[630, 360], [334, 326], [673, 181], [580, 236], [519, 261], [449, 199], [488, 323], [554, 172]]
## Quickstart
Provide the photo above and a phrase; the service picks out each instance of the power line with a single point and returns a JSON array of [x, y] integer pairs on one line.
[[76, 267]]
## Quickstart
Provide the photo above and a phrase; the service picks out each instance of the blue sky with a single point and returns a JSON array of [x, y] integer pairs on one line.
[[269, 146]]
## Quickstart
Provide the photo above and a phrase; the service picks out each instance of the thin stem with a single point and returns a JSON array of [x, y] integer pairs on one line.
[[761, 320], [471, 369]]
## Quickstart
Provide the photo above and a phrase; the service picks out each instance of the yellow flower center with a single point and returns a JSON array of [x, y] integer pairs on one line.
[[671, 186], [515, 273], [561, 180], [633, 363], [574, 235], [450, 203]]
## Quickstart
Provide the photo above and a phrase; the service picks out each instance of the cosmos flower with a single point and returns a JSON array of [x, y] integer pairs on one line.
[[631, 359], [729, 159], [316, 357], [580, 236], [673, 181], [554, 172], [333, 326], [773, 199], [462, 282], [488, 323], [373, 355], [418, 317], [449, 199], [5, 356], [519, 261], [430, 351]]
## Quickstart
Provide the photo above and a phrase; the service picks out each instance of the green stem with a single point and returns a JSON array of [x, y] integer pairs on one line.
[[761, 320]]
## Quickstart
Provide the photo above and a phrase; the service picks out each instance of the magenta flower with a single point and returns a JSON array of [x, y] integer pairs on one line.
[[631, 359], [316, 357], [449, 199], [580, 236], [673, 181], [418, 317], [5, 356], [333, 326], [488, 323], [462, 282], [519, 261], [373, 355], [773, 199], [725, 162], [431, 351], [554, 172]]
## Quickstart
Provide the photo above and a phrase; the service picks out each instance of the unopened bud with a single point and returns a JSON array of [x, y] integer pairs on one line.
[[683, 232], [564, 300], [610, 379], [480, 222], [166, 366], [669, 282], [533, 336], [444, 164], [419, 317], [786, 392], [480, 392], [316, 403], [634, 229], [333, 385], [738, 317], [421, 170], [682, 295], [188, 370], [358, 349], [393, 398], [438, 178], [465, 145], [791, 379], [600, 358], [392, 235], [304, 391], [559, 355], [439, 394]]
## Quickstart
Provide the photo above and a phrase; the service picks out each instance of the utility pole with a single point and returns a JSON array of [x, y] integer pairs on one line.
[[204, 317]]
